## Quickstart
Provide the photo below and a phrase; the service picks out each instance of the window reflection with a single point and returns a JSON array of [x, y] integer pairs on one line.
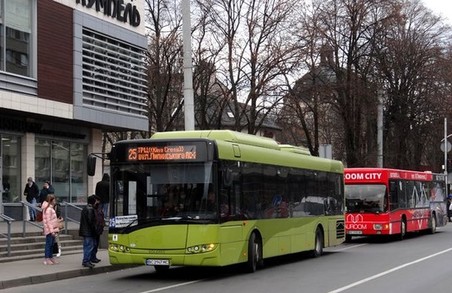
[[63, 164], [10, 153], [15, 36]]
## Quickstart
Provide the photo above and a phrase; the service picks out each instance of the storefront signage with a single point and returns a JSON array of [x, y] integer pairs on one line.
[[162, 153], [125, 12]]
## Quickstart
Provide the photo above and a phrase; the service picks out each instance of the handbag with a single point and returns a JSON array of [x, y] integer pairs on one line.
[[61, 223], [55, 247], [39, 216]]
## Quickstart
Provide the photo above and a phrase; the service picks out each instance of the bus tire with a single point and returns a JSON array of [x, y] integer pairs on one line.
[[348, 238], [433, 223], [254, 254], [161, 269], [402, 229], [318, 243]]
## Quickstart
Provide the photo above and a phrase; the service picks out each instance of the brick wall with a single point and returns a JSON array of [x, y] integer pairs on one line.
[[55, 46]]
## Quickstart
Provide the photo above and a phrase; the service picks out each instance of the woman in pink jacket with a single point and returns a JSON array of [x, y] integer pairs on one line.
[[50, 222]]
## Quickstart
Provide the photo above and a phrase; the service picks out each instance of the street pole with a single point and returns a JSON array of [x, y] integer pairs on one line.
[[380, 129], [189, 112], [445, 152]]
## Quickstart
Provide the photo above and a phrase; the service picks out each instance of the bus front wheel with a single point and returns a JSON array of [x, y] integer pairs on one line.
[[161, 269], [254, 253], [402, 229]]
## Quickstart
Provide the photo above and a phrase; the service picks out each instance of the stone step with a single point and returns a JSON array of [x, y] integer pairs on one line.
[[29, 247], [31, 239], [40, 254], [32, 245]]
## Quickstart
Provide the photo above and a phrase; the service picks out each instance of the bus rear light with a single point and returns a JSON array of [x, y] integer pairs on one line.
[[201, 248]]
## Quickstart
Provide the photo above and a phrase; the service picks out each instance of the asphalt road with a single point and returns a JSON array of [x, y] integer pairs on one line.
[[420, 263]]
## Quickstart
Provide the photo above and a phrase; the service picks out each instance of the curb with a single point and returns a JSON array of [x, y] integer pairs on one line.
[[33, 280]]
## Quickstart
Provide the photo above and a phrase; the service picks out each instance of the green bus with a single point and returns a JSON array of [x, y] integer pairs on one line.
[[217, 198]]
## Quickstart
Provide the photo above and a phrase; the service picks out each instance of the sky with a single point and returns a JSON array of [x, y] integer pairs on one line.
[[440, 7]]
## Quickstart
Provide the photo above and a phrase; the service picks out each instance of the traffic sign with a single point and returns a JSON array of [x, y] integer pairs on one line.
[[449, 146]]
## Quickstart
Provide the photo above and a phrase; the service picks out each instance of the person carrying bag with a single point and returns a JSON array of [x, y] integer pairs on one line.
[[51, 230]]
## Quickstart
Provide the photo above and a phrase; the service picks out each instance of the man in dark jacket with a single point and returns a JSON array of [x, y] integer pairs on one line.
[[88, 231], [100, 224], [47, 189], [103, 192], [31, 192]]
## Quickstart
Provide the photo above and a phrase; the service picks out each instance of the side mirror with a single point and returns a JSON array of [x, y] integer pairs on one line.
[[91, 165]]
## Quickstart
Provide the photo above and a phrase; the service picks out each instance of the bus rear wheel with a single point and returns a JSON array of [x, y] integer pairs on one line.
[[254, 253], [433, 224], [318, 245]]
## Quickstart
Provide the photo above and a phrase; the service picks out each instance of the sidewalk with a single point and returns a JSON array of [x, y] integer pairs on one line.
[[16, 273], [33, 271]]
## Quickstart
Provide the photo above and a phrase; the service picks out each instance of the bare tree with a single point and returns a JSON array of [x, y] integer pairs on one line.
[[348, 28], [410, 55], [307, 117], [257, 49], [164, 61], [209, 93]]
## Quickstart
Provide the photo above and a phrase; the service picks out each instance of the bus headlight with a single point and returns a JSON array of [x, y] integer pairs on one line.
[[120, 248], [201, 248], [381, 227]]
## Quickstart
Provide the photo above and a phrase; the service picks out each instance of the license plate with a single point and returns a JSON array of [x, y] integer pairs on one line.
[[157, 262], [355, 232]]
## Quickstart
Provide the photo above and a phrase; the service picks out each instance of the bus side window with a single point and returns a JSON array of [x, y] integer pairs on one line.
[[393, 195]]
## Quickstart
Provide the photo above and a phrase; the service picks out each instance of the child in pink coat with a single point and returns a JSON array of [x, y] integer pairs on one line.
[[51, 228]]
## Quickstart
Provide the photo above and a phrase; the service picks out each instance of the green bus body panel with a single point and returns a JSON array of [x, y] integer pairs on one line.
[[257, 149], [280, 236]]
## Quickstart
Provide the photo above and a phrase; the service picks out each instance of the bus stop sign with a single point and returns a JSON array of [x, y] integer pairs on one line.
[[449, 146]]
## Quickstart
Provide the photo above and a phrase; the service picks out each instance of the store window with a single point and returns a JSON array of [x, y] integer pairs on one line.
[[63, 163], [10, 168], [16, 26]]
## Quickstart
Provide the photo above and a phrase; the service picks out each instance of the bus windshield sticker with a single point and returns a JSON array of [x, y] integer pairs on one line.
[[123, 221]]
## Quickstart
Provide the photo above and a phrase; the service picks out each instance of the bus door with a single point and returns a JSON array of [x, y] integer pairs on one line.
[[233, 227]]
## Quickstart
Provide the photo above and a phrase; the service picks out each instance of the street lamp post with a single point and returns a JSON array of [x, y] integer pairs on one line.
[[445, 147]]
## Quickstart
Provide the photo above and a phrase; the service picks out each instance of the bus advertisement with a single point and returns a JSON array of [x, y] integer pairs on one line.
[[216, 198], [393, 202]]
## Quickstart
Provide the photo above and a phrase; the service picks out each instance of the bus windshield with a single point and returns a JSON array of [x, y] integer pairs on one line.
[[143, 193], [365, 198]]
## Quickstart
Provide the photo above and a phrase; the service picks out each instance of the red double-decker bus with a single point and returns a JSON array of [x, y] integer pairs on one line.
[[393, 202]]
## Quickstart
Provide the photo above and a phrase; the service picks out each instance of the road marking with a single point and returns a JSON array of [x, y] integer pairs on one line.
[[348, 247], [172, 286], [388, 271]]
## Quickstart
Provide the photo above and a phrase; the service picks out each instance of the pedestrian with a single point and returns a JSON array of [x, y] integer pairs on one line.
[[100, 224], [51, 230], [87, 230], [449, 207], [47, 189], [103, 192], [31, 192], [57, 208]]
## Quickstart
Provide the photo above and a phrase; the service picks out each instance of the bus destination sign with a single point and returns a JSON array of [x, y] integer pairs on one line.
[[162, 153]]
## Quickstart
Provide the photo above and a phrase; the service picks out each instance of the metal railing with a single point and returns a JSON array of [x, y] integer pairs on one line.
[[8, 235], [66, 217], [25, 220]]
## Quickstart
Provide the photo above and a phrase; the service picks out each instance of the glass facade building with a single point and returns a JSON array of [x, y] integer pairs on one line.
[[68, 71]]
